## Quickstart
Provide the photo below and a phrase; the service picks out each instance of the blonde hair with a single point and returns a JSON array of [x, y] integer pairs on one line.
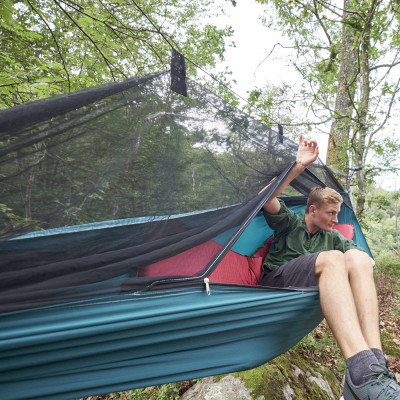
[[323, 195]]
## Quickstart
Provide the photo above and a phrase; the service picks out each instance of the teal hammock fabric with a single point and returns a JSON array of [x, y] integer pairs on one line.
[[124, 341], [151, 175], [131, 341]]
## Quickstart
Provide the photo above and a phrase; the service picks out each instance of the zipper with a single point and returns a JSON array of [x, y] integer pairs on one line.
[[207, 283]]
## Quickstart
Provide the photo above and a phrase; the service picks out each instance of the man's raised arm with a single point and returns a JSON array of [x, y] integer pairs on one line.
[[307, 153]]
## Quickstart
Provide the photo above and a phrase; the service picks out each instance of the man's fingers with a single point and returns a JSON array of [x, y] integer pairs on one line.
[[310, 143]]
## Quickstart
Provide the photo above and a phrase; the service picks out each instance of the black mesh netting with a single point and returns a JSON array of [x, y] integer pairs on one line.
[[154, 173]]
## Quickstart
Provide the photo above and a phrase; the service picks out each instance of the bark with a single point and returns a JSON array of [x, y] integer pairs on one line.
[[359, 139], [27, 178], [340, 128]]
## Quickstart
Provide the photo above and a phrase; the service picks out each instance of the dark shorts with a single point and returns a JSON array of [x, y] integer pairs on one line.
[[298, 273]]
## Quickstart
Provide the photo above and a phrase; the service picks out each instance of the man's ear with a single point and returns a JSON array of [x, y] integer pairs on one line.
[[312, 209]]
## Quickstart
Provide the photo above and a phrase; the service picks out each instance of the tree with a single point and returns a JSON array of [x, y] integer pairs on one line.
[[343, 111], [347, 56], [56, 46], [381, 219], [275, 105], [53, 46]]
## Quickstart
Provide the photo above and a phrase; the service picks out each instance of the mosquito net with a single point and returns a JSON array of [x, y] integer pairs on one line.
[[98, 184]]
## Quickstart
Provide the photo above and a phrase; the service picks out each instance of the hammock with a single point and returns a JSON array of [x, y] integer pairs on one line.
[[132, 240]]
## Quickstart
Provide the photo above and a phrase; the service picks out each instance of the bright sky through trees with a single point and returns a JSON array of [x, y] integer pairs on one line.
[[260, 58], [254, 61]]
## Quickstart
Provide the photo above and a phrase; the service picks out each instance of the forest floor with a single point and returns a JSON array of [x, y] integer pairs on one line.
[[320, 345]]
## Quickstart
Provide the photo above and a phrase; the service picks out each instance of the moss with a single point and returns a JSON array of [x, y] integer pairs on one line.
[[389, 347], [270, 379]]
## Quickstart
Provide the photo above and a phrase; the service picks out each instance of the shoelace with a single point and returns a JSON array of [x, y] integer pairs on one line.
[[379, 370], [389, 389], [391, 373]]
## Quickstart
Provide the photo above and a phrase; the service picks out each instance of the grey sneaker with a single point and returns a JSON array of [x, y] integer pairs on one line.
[[382, 386], [390, 372]]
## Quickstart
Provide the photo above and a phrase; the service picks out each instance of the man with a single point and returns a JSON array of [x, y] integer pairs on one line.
[[307, 251]]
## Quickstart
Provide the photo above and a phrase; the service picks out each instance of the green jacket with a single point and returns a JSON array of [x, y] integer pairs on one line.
[[292, 239]]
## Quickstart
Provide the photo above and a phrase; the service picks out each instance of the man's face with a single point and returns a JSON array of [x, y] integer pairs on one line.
[[325, 217]]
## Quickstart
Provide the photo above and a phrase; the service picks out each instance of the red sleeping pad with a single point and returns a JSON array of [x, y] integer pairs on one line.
[[234, 268]]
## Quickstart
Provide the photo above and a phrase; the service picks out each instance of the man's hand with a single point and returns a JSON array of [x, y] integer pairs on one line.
[[307, 152], [306, 155]]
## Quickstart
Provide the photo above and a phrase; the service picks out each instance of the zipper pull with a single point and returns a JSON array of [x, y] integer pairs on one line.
[[207, 283]]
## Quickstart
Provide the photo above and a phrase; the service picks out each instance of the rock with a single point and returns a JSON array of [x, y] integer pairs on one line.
[[288, 392], [228, 388], [321, 382], [287, 377], [297, 371]]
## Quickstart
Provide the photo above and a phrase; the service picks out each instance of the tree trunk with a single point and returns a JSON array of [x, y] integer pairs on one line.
[[340, 128], [359, 138]]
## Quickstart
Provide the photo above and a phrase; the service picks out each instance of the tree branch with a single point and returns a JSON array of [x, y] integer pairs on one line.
[[385, 66], [322, 24], [55, 41], [109, 66], [387, 116]]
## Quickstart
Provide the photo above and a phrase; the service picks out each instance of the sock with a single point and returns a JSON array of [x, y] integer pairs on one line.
[[379, 355], [358, 366]]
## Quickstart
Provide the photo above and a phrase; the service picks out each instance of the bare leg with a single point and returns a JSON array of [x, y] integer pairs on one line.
[[362, 285], [337, 302]]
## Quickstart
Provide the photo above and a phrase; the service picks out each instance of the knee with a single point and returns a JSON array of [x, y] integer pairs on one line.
[[358, 261], [330, 259]]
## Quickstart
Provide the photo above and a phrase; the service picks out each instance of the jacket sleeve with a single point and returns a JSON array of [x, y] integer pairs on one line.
[[282, 221]]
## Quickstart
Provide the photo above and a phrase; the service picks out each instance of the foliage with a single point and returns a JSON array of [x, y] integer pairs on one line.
[[315, 31], [387, 276], [146, 151], [11, 222], [276, 105], [56, 46], [358, 101], [381, 223]]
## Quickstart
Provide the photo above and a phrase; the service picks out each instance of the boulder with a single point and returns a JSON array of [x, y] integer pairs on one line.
[[286, 377]]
